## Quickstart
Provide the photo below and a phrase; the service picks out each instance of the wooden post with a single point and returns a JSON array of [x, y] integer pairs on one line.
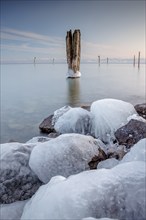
[[138, 59], [107, 60], [99, 60], [134, 61], [73, 49]]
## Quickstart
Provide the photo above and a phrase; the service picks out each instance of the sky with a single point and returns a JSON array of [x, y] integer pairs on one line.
[[37, 28]]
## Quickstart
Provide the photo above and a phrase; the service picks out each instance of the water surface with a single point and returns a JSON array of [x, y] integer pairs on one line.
[[30, 93]]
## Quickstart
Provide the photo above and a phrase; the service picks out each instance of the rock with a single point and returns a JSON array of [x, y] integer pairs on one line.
[[38, 139], [53, 135], [17, 180], [97, 158], [46, 126], [65, 155], [116, 152], [141, 109], [131, 133]]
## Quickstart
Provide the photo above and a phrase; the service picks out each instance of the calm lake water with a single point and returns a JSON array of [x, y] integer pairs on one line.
[[30, 93]]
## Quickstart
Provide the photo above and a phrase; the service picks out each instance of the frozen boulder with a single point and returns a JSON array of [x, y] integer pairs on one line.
[[59, 112], [65, 155], [38, 139], [17, 180], [131, 133], [76, 120], [12, 211], [109, 163], [136, 153], [113, 193], [108, 116]]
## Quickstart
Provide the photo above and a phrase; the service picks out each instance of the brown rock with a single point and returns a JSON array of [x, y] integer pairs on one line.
[[141, 109], [46, 125], [97, 158], [131, 133]]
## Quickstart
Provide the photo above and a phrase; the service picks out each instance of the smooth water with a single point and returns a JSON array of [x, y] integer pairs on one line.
[[29, 93]]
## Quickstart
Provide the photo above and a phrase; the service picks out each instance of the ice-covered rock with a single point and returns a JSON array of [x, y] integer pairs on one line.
[[12, 211], [38, 139], [76, 120], [65, 155], [59, 112], [17, 180], [108, 116], [113, 193], [109, 163], [91, 218], [137, 152]]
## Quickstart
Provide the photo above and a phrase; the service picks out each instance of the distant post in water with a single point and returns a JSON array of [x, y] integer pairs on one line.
[[73, 50], [107, 60], [99, 60], [138, 59], [34, 60], [134, 61]]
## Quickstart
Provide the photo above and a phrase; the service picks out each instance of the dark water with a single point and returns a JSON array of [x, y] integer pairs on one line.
[[30, 93]]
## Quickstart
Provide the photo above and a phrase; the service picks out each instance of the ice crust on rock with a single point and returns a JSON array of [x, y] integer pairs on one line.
[[12, 211], [76, 120], [65, 155], [107, 164], [108, 116], [59, 112], [38, 139], [113, 193], [17, 180], [137, 152]]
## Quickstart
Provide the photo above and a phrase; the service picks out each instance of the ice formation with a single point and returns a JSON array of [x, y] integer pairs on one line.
[[17, 180], [59, 112], [109, 163], [137, 152], [108, 116], [76, 120], [36, 140], [12, 211], [113, 193], [71, 74], [65, 155]]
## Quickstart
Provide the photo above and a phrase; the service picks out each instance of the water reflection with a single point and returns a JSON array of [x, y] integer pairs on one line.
[[73, 86]]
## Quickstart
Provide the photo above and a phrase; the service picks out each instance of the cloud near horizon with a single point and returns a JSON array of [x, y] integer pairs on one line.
[[25, 44]]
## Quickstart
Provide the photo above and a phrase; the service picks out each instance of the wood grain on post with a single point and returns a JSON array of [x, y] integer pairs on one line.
[[73, 49]]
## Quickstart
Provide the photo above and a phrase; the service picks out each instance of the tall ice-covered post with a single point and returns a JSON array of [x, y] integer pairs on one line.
[[73, 50]]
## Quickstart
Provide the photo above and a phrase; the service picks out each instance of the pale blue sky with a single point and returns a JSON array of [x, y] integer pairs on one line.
[[114, 29]]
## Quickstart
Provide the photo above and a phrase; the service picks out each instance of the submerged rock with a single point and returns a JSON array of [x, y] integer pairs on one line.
[[131, 133], [17, 180], [141, 109]]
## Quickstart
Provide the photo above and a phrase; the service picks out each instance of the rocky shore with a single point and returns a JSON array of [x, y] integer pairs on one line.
[[50, 177]]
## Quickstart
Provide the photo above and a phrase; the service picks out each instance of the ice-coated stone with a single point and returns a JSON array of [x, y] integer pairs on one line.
[[17, 180], [113, 193], [109, 163], [137, 152], [12, 211], [59, 112], [108, 116], [76, 120], [65, 155], [38, 139]]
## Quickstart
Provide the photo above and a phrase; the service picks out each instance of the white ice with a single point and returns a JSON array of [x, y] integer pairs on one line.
[[59, 112], [107, 164], [12, 211], [71, 74], [65, 155], [113, 193], [108, 116], [137, 152], [76, 120]]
